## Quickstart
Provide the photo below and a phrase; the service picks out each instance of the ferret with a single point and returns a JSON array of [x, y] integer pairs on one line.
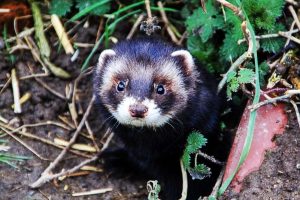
[[152, 94]]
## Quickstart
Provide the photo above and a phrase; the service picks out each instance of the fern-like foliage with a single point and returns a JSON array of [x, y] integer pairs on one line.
[[234, 80], [62, 7], [153, 190], [195, 141], [100, 10], [203, 23], [262, 15]]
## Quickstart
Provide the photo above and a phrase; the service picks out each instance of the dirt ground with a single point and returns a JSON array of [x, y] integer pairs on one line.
[[279, 175], [278, 178]]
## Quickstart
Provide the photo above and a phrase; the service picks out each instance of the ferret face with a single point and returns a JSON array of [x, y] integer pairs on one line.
[[142, 93]]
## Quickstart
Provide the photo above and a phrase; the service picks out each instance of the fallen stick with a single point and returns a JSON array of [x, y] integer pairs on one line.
[[47, 174], [16, 91]]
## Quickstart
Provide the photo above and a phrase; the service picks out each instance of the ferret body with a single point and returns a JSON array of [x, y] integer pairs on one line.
[[152, 95]]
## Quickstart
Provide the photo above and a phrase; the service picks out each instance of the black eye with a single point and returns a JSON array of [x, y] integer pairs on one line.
[[121, 86], [160, 89]]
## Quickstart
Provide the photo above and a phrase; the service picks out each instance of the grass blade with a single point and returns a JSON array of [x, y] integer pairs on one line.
[[251, 123], [88, 9]]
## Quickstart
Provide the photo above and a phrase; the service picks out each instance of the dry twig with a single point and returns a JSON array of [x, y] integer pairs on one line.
[[289, 36], [167, 23], [46, 175], [296, 111], [16, 91], [135, 26], [184, 181], [232, 7], [40, 139], [288, 94], [91, 192], [294, 14], [10, 133]]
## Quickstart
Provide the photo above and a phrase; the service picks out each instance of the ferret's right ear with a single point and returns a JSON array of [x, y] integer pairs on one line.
[[104, 56], [187, 60]]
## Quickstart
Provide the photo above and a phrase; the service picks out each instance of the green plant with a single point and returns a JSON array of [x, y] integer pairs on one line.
[[214, 35], [195, 142], [153, 190], [252, 118], [95, 7], [11, 57], [235, 79], [8, 158]]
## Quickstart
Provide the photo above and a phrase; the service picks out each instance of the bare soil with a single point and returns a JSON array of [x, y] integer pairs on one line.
[[279, 176]]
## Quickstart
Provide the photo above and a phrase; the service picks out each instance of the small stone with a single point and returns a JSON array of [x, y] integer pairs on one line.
[[298, 166]]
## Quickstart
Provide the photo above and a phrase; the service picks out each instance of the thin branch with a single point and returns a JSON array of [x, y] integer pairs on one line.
[[61, 125], [40, 139], [285, 34], [5, 85], [245, 56], [16, 91], [135, 26], [46, 85], [293, 2], [10, 133], [45, 175], [296, 111], [184, 181], [48, 176], [291, 28], [294, 14], [214, 192], [233, 67], [232, 7], [88, 128], [92, 192], [287, 95], [210, 158], [167, 23], [148, 8], [258, 37]]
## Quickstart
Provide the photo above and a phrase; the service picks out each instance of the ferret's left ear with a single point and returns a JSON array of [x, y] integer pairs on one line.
[[104, 56], [187, 60]]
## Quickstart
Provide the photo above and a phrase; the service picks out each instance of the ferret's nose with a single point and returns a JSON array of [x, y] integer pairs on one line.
[[138, 110]]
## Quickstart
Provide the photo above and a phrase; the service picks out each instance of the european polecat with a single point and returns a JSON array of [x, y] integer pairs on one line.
[[152, 95]]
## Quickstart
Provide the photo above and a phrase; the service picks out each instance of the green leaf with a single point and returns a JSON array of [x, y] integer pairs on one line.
[[99, 10], [231, 75], [200, 172], [207, 22], [251, 124], [273, 45], [263, 70], [232, 84], [230, 48], [153, 190], [263, 13], [186, 159], [246, 75], [60, 7], [195, 141]]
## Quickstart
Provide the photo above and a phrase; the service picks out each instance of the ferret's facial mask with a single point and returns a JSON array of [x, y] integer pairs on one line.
[[142, 93]]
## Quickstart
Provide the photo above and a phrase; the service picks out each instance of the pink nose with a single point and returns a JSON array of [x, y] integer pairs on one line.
[[138, 110]]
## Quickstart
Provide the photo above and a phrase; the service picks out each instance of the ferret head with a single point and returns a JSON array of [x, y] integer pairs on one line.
[[144, 85]]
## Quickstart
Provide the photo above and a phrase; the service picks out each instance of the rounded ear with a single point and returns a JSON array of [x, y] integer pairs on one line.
[[187, 60], [104, 56]]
